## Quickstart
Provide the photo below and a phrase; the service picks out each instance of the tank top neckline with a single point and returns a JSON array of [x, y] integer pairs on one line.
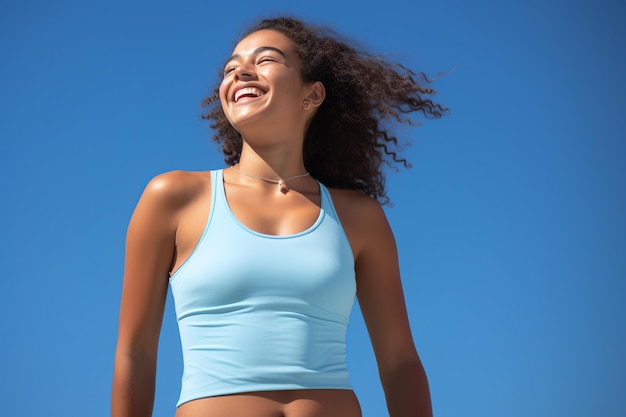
[[220, 190]]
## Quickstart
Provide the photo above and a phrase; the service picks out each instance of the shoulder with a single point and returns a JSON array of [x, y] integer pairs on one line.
[[363, 219], [168, 194], [174, 189], [356, 205]]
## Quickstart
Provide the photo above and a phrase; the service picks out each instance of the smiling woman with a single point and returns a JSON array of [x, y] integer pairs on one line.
[[263, 81], [264, 258]]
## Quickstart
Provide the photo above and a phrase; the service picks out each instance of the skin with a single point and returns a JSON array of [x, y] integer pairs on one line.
[[170, 217]]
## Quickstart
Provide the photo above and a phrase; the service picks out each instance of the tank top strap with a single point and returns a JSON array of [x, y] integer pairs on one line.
[[327, 202], [218, 195]]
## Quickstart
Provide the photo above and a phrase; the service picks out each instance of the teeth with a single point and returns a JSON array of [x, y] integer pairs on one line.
[[248, 91]]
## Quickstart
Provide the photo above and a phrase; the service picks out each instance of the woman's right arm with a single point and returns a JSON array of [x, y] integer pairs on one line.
[[150, 247]]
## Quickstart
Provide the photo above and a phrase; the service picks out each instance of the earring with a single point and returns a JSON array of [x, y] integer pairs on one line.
[[306, 104]]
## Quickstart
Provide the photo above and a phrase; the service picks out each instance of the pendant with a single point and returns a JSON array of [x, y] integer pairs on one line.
[[282, 187]]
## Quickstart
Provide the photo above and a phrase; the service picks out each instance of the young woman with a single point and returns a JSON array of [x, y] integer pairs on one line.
[[265, 257]]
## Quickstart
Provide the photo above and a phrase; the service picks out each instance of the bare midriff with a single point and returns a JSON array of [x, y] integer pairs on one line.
[[292, 403]]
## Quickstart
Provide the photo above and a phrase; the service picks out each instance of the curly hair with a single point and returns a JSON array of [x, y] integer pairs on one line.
[[346, 142]]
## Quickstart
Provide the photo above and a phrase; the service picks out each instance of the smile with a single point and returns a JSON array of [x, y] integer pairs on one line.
[[248, 92]]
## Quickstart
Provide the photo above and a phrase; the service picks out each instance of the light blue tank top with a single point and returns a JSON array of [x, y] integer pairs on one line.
[[260, 312]]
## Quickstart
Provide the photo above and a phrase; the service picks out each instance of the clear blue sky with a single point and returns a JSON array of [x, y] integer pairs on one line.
[[511, 223]]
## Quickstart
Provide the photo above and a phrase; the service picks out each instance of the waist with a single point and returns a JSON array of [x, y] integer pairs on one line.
[[280, 403], [266, 351]]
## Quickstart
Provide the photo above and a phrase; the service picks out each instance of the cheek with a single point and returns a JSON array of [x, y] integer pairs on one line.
[[289, 85], [223, 98], [223, 90]]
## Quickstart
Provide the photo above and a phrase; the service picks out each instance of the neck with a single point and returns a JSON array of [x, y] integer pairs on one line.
[[275, 161]]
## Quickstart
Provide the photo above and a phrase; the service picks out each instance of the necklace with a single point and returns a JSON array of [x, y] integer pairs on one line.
[[280, 183]]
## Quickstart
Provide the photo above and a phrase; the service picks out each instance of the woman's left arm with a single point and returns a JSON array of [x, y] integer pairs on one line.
[[380, 295]]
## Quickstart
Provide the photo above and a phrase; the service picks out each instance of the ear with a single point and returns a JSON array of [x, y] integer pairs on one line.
[[317, 94]]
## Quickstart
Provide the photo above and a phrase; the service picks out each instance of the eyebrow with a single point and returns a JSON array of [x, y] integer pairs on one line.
[[257, 51]]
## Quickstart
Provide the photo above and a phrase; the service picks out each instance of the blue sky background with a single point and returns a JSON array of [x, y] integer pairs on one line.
[[510, 224]]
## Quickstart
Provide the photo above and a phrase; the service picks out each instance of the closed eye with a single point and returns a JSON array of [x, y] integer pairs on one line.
[[266, 59], [228, 70]]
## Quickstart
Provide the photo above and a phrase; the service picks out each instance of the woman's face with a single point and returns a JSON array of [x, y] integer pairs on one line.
[[262, 81]]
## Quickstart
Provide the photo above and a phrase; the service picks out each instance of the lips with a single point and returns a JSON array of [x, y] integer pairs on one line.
[[248, 92]]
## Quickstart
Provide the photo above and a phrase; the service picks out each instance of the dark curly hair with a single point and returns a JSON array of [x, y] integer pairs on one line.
[[346, 142]]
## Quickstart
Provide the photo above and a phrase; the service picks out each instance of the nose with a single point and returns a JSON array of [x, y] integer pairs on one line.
[[245, 70]]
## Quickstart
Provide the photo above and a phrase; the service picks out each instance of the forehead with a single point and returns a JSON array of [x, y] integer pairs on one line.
[[264, 38]]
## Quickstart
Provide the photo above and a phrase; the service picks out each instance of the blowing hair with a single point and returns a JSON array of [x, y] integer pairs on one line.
[[346, 142]]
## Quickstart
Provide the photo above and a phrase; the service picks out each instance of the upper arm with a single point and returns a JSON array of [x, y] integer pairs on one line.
[[380, 294], [150, 246], [379, 287]]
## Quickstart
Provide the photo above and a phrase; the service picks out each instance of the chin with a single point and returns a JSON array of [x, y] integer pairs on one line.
[[255, 119], [247, 123]]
